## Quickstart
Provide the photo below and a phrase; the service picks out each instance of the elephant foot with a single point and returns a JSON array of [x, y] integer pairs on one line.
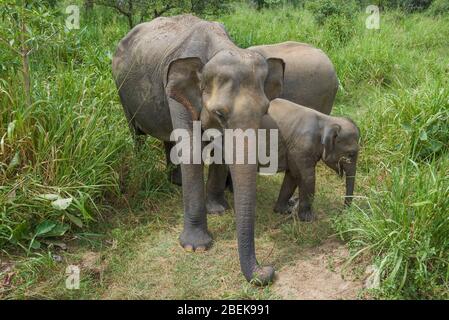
[[287, 207], [282, 208], [216, 204], [307, 216], [174, 176], [263, 276], [195, 240]]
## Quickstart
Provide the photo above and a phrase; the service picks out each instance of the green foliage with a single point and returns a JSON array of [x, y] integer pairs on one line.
[[393, 82], [402, 216], [439, 7], [324, 9], [404, 226], [137, 11], [412, 5], [72, 143], [266, 3]]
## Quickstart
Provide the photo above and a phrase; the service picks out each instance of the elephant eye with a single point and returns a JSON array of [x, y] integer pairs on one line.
[[219, 114]]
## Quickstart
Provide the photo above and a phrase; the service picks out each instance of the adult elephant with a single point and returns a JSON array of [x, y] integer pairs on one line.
[[172, 70], [310, 78]]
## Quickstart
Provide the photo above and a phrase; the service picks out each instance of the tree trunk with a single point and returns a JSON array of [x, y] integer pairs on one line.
[[130, 20]]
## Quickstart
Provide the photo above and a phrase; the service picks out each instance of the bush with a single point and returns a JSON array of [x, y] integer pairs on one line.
[[418, 121], [439, 7], [339, 30], [324, 9], [413, 5], [63, 155], [405, 227]]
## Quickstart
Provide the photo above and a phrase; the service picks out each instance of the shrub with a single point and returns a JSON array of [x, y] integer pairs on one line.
[[413, 5], [439, 7], [339, 30], [324, 9], [61, 156], [417, 118], [404, 227]]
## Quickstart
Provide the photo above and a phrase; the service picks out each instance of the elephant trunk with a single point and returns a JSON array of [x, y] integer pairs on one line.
[[244, 183], [350, 172]]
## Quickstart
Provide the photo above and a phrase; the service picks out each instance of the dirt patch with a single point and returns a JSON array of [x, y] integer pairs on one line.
[[318, 275]]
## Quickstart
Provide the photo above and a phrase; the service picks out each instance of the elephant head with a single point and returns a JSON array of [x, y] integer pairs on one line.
[[231, 90], [340, 150]]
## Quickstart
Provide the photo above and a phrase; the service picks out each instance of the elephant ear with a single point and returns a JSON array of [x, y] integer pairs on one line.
[[183, 83], [275, 78], [330, 133]]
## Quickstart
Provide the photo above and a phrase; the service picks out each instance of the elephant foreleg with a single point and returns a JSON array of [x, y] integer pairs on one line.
[[288, 187], [215, 189], [306, 194], [195, 235], [173, 171]]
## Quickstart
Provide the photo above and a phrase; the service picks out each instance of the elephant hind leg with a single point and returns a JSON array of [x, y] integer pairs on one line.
[[173, 171], [229, 183], [215, 189], [288, 188], [138, 135]]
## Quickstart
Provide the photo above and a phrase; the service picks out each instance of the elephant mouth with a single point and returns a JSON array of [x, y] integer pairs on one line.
[[341, 166], [340, 171]]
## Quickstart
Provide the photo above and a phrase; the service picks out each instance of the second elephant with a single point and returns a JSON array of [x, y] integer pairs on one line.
[[306, 137], [309, 79]]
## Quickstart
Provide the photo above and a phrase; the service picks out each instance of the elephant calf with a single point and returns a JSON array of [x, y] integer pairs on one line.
[[305, 137]]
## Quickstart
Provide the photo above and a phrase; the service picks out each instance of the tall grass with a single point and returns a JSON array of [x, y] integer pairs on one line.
[[73, 143]]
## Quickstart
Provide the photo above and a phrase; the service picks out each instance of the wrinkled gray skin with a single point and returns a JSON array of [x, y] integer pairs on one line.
[[306, 137], [171, 71], [310, 78]]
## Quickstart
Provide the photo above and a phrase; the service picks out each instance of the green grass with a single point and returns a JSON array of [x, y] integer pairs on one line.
[[74, 142]]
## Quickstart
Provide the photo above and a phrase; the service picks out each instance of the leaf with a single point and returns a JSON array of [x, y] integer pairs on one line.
[[11, 196], [2, 144], [14, 161], [77, 221], [11, 127], [406, 127], [44, 227], [20, 232], [35, 244], [62, 204], [58, 244], [420, 204], [58, 231], [49, 196]]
